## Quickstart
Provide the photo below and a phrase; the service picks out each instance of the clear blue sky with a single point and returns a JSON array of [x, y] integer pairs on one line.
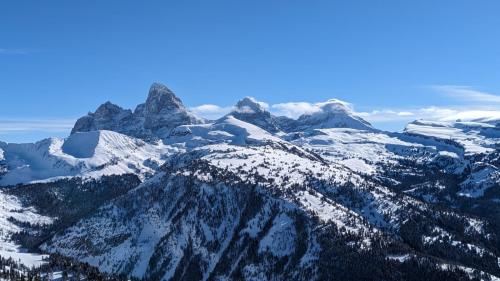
[[61, 59]]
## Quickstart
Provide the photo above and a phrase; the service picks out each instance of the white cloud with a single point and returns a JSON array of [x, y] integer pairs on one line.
[[405, 113], [39, 125], [244, 109], [387, 115], [480, 105], [430, 113], [474, 115], [209, 108], [294, 109], [211, 111], [261, 103], [337, 103], [466, 93]]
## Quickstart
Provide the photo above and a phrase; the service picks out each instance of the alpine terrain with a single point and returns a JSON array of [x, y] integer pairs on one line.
[[158, 193]]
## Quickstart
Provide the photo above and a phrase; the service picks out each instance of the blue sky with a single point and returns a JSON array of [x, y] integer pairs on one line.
[[394, 61]]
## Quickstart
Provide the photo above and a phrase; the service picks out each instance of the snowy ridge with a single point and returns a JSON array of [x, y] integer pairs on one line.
[[89, 154], [225, 130], [473, 136]]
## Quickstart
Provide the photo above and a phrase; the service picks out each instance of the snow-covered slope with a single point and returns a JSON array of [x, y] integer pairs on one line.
[[359, 150], [480, 143], [475, 137], [12, 210], [88, 154], [228, 129], [225, 208]]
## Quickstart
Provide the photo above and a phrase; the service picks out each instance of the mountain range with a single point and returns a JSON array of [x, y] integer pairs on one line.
[[159, 193]]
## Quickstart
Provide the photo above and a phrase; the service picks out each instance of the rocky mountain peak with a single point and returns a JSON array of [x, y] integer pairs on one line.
[[160, 97], [161, 112], [108, 109], [250, 105], [255, 112]]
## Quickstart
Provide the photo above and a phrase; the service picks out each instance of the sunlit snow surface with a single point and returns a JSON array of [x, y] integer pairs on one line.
[[89, 154], [358, 150], [474, 137], [11, 207]]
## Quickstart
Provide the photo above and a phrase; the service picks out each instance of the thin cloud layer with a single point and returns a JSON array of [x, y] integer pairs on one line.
[[431, 113], [481, 106], [294, 109], [466, 93], [211, 111], [483, 109], [39, 125]]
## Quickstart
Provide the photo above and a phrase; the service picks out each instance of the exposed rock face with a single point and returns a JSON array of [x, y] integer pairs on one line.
[[161, 98], [155, 118], [108, 116], [254, 112]]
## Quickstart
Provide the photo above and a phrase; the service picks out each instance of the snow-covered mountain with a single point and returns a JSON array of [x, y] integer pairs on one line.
[[474, 137], [331, 114], [253, 196], [479, 143], [154, 119], [87, 154], [255, 112]]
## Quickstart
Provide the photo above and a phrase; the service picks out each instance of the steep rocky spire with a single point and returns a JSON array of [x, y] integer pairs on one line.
[[160, 97]]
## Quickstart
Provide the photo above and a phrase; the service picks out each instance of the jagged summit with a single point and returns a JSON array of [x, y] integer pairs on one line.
[[250, 105], [255, 112], [160, 97], [157, 87], [109, 109], [108, 116], [154, 119]]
